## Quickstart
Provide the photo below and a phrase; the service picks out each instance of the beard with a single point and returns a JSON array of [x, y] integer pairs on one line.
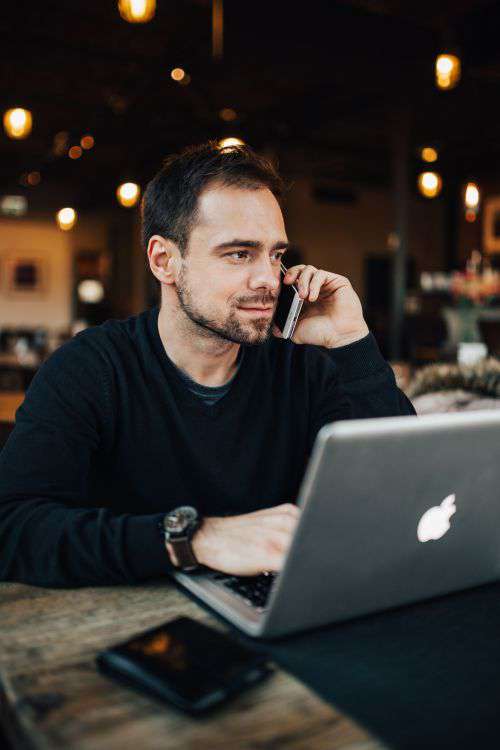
[[230, 328]]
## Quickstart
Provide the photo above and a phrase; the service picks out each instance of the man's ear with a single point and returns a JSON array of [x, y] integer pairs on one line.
[[163, 256]]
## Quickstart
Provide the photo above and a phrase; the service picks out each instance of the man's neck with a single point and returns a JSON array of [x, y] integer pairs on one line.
[[208, 360]]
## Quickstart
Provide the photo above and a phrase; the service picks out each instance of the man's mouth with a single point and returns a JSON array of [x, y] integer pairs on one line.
[[258, 309]]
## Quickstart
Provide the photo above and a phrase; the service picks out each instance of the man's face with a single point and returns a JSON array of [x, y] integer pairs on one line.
[[232, 266]]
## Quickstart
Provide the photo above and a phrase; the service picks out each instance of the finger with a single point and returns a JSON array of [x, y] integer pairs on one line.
[[316, 283], [304, 280], [292, 273]]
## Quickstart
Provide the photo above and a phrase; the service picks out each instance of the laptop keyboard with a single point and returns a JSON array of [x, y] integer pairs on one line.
[[254, 590]]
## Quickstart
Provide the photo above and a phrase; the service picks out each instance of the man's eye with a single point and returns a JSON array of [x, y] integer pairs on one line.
[[244, 254], [238, 253]]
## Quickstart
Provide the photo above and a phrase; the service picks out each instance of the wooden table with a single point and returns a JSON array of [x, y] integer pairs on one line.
[[51, 695], [9, 402]]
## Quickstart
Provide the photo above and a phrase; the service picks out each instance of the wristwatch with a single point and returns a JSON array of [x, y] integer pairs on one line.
[[178, 527]]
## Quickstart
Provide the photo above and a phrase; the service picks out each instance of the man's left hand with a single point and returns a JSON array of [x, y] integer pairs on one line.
[[331, 315]]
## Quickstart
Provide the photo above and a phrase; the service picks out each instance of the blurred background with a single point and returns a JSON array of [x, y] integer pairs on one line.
[[382, 116]]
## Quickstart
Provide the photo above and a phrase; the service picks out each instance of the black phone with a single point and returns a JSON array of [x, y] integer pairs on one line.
[[186, 663], [288, 307]]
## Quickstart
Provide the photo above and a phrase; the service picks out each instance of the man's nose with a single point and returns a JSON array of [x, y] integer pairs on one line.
[[265, 274]]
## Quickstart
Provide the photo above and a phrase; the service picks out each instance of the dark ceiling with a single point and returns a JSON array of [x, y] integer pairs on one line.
[[323, 85]]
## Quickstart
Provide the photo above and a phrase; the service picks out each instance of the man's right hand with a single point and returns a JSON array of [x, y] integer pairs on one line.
[[249, 544]]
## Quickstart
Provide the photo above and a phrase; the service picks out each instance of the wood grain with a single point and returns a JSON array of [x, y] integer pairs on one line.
[[53, 696]]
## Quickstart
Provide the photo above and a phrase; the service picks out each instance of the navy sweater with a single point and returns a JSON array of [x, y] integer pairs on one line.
[[110, 437]]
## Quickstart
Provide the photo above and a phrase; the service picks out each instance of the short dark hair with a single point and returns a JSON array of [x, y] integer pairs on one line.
[[170, 201]]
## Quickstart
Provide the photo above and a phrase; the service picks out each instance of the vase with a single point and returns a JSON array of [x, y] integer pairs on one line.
[[462, 325]]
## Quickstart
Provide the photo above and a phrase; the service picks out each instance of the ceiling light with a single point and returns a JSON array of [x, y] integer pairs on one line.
[[128, 194], [430, 184], [66, 218], [448, 71], [227, 114], [471, 195], [17, 123], [429, 154], [87, 141], [33, 178], [137, 11], [178, 74]]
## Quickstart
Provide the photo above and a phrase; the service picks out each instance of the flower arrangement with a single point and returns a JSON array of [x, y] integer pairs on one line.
[[477, 285]]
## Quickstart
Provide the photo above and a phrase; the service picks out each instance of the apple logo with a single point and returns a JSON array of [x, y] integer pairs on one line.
[[436, 521]]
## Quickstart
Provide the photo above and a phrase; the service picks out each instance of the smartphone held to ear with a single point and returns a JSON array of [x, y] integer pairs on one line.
[[185, 663], [288, 307]]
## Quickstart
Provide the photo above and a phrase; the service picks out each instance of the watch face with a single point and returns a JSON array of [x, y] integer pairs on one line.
[[180, 519]]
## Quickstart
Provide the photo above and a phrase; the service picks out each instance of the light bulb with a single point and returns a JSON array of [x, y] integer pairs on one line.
[[430, 184], [17, 122], [128, 194], [66, 218]]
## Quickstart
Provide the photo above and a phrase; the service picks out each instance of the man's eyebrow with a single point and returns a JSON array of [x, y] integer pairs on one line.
[[249, 243]]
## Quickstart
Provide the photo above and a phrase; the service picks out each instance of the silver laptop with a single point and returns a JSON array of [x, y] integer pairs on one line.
[[394, 510]]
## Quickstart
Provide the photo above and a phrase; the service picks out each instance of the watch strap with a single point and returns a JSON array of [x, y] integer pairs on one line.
[[181, 553]]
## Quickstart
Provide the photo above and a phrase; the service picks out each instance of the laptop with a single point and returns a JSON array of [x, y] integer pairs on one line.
[[394, 510]]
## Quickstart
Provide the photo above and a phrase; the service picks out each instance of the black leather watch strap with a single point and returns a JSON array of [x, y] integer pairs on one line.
[[178, 527], [183, 556]]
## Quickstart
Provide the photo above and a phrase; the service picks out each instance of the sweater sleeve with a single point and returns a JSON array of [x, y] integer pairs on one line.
[[357, 383], [49, 536]]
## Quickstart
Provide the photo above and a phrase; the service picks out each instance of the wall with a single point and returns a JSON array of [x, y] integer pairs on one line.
[[470, 235], [22, 238], [40, 237], [334, 237], [337, 237]]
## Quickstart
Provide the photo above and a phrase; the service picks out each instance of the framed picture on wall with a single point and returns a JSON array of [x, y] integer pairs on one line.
[[25, 276], [491, 224]]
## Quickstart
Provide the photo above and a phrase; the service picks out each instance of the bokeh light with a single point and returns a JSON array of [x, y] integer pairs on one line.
[[430, 184], [18, 122], [66, 218], [137, 11], [429, 154], [471, 195], [227, 114], [128, 194], [87, 142], [448, 71], [178, 74], [90, 291]]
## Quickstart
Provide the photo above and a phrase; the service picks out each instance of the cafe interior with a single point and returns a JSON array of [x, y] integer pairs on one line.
[[382, 116]]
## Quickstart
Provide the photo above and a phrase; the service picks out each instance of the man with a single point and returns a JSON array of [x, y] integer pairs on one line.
[[196, 403]]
